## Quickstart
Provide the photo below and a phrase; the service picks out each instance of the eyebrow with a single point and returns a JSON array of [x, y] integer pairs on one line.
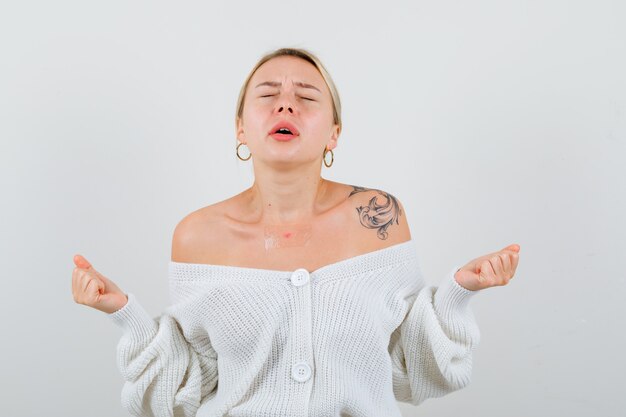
[[298, 83]]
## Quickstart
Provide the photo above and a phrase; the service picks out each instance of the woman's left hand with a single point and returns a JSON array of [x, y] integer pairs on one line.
[[490, 270]]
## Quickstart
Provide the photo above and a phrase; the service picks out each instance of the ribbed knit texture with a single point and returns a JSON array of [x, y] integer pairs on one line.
[[349, 339]]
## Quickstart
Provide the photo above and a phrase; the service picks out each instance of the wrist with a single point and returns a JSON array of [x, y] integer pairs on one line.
[[459, 280]]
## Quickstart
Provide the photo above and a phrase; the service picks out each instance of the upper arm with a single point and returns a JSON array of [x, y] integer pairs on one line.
[[199, 237], [403, 231], [183, 239], [381, 215]]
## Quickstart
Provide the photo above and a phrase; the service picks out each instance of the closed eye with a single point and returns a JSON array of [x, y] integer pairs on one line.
[[271, 95]]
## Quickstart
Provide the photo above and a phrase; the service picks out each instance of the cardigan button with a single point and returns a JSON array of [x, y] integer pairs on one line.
[[300, 277], [301, 371]]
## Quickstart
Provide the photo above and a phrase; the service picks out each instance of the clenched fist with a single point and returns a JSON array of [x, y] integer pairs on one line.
[[91, 288], [489, 270]]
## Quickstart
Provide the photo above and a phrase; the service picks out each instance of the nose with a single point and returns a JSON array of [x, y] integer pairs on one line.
[[284, 105], [285, 108]]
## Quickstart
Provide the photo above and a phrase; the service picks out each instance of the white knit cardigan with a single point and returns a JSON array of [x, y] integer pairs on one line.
[[348, 339]]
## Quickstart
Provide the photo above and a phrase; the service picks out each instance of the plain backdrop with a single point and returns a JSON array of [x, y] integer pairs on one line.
[[494, 122]]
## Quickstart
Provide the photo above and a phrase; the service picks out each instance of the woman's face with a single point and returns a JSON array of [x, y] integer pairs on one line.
[[287, 88]]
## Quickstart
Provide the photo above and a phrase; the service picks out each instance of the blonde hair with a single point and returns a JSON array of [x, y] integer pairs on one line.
[[307, 56]]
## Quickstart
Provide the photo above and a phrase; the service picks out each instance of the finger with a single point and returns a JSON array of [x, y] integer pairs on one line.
[[515, 260], [85, 280], [505, 275], [506, 267], [498, 268], [501, 272], [81, 262], [82, 283], [104, 279], [512, 247], [77, 285], [92, 290], [486, 274], [74, 283], [506, 264]]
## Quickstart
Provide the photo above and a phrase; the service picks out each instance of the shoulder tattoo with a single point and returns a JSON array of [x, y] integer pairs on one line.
[[375, 215]]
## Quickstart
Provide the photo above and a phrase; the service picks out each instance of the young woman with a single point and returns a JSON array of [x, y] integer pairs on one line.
[[299, 296]]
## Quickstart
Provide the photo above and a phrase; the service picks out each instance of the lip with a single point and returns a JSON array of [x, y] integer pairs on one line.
[[282, 137], [285, 124]]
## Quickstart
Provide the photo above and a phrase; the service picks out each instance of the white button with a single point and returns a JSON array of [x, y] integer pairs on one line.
[[300, 277], [301, 371]]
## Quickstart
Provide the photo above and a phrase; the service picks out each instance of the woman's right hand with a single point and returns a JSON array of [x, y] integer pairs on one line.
[[91, 288]]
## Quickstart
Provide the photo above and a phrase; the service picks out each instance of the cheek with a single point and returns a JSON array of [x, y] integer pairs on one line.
[[321, 122], [252, 117]]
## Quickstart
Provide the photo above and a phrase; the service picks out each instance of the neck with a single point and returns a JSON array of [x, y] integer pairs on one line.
[[287, 197]]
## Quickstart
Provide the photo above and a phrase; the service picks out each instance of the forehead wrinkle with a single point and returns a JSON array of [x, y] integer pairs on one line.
[[297, 83]]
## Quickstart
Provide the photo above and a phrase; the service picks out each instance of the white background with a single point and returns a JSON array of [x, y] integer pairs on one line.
[[494, 122]]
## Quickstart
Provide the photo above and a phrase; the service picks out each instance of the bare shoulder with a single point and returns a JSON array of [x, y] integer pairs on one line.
[[196, 234], [369, 218], [376, 216]]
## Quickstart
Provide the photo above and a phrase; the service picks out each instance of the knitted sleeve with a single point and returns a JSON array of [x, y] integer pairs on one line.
[[164, 375], [431, 350]]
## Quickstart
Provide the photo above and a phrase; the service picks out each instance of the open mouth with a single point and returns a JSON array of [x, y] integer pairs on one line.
[[284, 130], [283, 135]]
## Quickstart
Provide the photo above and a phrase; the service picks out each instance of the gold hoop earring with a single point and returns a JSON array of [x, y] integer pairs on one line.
[[239, 156], [332, 157]]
